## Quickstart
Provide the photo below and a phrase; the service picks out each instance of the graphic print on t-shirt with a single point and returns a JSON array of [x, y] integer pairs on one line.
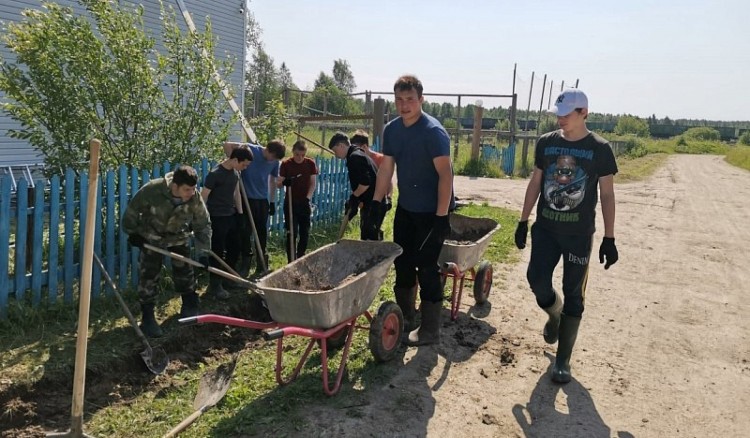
[[564, 183]]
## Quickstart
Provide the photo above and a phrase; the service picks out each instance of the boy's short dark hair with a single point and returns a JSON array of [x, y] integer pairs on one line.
[[299, 145], [361, 137], [277, 148], [408, 82], [185, 176], [337, 138], [241, 153]]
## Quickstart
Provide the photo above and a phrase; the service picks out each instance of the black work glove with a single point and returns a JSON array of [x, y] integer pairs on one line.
[[374, 219], [288, 181], [271, 208], [441, 227], [352, 205], [522, 229], [136, 240], [608, 250]]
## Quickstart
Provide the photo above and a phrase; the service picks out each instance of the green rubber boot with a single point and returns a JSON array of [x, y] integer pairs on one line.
[[406, 298], [190, 303], [428, 332], [568, 333], [149, 326], [552, 327], [215, 288]]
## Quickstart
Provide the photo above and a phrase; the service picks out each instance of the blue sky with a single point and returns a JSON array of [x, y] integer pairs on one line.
[[682, 59]]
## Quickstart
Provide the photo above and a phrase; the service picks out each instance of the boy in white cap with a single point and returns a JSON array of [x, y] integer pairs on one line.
[[569, 165]]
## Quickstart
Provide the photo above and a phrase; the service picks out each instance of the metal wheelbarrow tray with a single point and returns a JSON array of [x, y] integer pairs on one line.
[[461, 252], [334, 283]]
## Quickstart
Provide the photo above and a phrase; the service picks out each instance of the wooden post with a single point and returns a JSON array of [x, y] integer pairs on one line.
[[541, 103], [458, 130], [378, 122], [476, 138], [87, 260], [325, 113], [513, 119], [30, 230], [524, 157]]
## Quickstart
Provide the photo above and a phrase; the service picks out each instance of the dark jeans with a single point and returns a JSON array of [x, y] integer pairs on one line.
[[224, 240], [259, 209], [301, 214], [149, 272], [419, 260], [546, 249]]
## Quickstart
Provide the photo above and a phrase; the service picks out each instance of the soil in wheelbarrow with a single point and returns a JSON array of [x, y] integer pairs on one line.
[[465, 237], [321, 281]]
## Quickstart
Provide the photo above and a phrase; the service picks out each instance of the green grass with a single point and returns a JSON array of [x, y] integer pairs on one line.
[[739, 156], [37, 354]]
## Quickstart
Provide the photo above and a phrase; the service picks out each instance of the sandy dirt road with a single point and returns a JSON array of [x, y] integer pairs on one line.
[[663, 349]]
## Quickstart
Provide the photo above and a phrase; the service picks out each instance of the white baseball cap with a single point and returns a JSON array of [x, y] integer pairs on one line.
[[569, 100]]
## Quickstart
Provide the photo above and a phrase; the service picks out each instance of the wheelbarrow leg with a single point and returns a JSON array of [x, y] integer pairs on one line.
[[280, 365], [342, 366]]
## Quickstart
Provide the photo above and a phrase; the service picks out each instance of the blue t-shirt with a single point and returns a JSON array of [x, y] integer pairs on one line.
[[413, 150], [255, 177]]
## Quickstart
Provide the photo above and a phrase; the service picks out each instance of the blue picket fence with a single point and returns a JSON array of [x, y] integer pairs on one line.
[[505, 156], [39, 249]]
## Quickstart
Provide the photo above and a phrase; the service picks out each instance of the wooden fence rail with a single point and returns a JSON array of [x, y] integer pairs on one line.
[[40, 248]]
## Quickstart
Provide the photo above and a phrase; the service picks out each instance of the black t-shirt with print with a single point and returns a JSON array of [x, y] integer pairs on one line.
[[569, 192]]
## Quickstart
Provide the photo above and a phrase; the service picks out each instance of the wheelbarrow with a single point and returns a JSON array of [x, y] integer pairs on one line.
[[461, 252], [322, 295]]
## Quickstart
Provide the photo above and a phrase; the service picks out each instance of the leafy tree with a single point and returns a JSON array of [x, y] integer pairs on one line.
[[702, 133], [261, 79], [76, 78], [285, 78], [631, 125], [343, 76], [745, 138], [253, 30], [447, 110], [274, 123]]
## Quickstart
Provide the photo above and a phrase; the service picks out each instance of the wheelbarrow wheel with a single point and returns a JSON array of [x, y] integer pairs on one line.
[[483, 282], [386, 330], [336, 340]]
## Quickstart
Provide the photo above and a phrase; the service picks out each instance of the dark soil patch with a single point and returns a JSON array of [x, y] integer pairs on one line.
[[30, 409]]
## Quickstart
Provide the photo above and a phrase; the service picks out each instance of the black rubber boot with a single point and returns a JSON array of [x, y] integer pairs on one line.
[[215, 289], [243, 266], [406, 298], [552, 327], [568, 333], [190, 303], [429, 331], [149, 326]]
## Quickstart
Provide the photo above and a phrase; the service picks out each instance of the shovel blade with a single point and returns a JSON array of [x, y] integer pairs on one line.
[[214, 384], [156, 360]]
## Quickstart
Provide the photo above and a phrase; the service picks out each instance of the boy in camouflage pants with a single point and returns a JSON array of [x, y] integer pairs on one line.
[[163, 213]]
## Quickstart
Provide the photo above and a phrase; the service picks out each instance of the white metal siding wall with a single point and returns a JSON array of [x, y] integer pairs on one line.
[[227, 23]]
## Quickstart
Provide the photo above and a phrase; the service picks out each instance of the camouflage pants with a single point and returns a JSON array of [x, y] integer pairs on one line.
[[149, 273]]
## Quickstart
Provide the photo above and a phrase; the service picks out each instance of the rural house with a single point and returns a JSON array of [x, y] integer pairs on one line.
[[19, 159]]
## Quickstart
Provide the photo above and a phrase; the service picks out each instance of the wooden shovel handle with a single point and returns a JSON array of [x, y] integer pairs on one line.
[[185, 423]]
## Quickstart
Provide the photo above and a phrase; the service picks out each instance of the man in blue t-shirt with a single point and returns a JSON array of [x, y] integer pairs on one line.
[[417, 147], [570, 165], [259, 180]]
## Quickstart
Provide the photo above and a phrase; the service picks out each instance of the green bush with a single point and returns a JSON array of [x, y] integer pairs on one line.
[[635, 147], [702, 133], [480, 167], [745, 138], [632, 125]]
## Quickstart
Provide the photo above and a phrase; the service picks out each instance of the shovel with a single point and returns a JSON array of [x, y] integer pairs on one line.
[[211, 390], [156, 359]]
